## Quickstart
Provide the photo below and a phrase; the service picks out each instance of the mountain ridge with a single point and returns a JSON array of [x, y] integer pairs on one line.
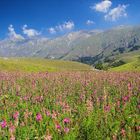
[[75, 45]]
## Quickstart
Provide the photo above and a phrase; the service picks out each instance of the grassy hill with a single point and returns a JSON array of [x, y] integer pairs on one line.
[[131, 60], [40, 65]]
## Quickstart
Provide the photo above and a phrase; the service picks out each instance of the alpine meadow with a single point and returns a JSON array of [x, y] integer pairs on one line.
[[69, 70]]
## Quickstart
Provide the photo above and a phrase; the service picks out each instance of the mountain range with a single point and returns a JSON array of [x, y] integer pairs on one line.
[[84, 46]]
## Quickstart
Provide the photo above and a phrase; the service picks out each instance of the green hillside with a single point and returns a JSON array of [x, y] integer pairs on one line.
[[40, 65], [131, 60]]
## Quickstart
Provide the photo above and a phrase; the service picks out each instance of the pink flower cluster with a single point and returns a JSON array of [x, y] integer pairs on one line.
[[16, 115], [107, 108], [38, 117], [66, 120], [3, 124]]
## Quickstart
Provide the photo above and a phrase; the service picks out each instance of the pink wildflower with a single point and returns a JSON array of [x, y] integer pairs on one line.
[[16, 115], [11, 128], [38, 117], [66, 120], [123, 132], [57, 126], [66, 129], [54, 115], [3, 124], [125, 98], [12, 137], [107, 108], [129, 86], [95, 92], [48, 113], [49, 137]]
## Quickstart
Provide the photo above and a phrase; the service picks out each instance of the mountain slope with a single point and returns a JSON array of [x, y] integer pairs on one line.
[[84, 46]]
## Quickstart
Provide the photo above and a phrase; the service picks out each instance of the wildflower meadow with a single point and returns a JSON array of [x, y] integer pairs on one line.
[[70, 106]]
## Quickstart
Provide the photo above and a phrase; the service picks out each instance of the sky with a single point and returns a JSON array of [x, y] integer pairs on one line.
[[49, 18]]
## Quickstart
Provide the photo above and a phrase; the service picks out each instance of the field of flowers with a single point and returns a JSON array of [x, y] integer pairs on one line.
[[70, 106]]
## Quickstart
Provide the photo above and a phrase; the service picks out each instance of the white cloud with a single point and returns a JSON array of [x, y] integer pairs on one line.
[[102, 6], [66, 26], [52, 30], [13, 35], [90, 22], [116, 13], [30, 32]]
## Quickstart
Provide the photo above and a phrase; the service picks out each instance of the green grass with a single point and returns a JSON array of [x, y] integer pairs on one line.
[[132, 60], [40, 65], [130, 56], [132, 66]]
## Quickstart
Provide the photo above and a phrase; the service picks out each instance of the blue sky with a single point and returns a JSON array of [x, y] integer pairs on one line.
[[29, 18]]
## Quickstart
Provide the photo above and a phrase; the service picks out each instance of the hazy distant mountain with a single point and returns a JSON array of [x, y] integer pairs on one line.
[[79, 45]]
